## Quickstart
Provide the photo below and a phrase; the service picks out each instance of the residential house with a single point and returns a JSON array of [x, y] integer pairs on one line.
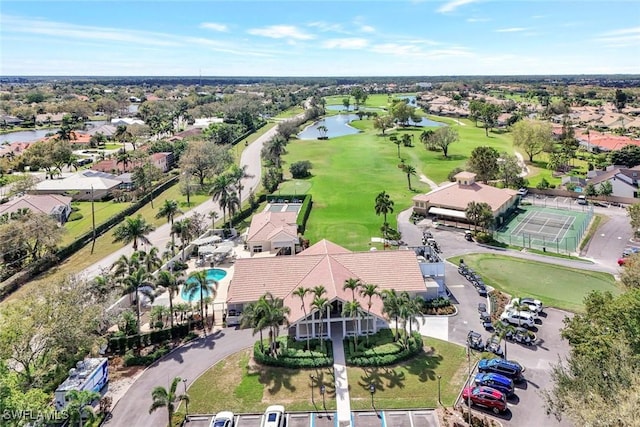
[[84, 185], [50, 118], [329, 265], [163, 161], [275, 232], [9, 121], [450, 201], [624, 181], [126, 121], [59, 207]]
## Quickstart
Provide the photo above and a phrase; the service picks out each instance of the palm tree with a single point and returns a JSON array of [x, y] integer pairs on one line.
[[213, 215], [369, 290], [275, 313], [221, 191], [302, 292], [198, 283], [354, 310], [391, 306], [473, 213], [238, 173], [151, 259], [183, 229], [124, 267], [171, 283], [133, 230], [167, 398], [409, 170], [233, 204], [254, 317], [384, 205], [353, 284], [79, 406], [141, 284], [169, 210], [124, 158], [320, 304], [502, 329], [395, 140]]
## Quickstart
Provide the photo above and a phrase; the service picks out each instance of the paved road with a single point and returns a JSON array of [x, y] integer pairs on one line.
[[190, 361], [161, 236]]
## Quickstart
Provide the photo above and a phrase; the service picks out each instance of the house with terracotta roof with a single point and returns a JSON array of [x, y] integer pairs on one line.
[[85, 185], [450, 201], [330, 265], [275, 232], [624, 181], [58, 207]]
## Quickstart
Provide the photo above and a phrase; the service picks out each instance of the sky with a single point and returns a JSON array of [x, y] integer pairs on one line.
[[319, 38]]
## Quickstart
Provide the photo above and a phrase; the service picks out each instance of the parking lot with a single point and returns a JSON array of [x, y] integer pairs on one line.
[[395, 418]]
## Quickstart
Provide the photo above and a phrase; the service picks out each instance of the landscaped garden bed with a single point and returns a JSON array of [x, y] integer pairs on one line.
[[289, 353], [381, 349]]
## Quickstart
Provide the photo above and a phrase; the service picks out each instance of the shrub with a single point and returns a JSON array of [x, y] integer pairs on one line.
[[132, 360], [300, 169], [74, 216], [543, 184], [289, 354], [382, 351], [482, 237]]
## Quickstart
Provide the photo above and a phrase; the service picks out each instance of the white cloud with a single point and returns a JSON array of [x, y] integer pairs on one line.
[[623, 37], [347, 43], [281, 32], [327, 27], [452, 5], [512, 30], [214, 26], [472, 20]]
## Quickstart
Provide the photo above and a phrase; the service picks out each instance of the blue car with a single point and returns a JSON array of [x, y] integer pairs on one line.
[[497, 381], [507, 368]]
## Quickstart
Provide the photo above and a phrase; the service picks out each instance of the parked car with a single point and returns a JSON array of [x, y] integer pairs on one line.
[[630, 251], [523, 192], [518, 318], [487, 397], [582, 200], [497, 381], [531, 302], [474, 340], [508, 368], [223, 419], [524, 311], [273, 416], [622, 261]]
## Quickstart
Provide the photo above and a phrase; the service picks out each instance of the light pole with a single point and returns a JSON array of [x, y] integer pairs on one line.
[[186, 402], [322, 391], [372, 390], [313, 378], [439, 395]]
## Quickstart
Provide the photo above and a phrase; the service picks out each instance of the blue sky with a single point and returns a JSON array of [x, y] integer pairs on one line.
[[319, 38]]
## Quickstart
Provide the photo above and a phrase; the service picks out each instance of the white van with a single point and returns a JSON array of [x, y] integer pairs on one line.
[[582, 200], [273, 416]]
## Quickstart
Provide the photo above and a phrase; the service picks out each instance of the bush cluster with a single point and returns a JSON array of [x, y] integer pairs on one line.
[[75, 215], [293, 354], [121, 344], [382, 350], [131, 359]]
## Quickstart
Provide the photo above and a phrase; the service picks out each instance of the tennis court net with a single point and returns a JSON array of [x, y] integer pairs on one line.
[[549, 223]]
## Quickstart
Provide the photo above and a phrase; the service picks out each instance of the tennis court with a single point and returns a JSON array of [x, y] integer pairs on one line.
[[544, 228]]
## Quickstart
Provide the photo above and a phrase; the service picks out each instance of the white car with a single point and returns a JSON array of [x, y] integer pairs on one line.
[[273, 416], [518, 318], [524, 308], [523, 192], [223, 419], [533, 304]]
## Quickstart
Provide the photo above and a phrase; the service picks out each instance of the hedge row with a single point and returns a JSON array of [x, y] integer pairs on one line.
[[291, 358], [131, 359], [303, 215], [372, 358], [120, 345]]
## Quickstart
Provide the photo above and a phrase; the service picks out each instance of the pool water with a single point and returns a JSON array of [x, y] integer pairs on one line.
[[212, 274]]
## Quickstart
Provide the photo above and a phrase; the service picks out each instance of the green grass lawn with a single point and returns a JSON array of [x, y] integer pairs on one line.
[[363, 165], [286, 114], [103, 211], [559, 286], [239, 385]]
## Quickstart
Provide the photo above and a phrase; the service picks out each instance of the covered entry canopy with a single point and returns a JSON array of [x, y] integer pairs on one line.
[[448, 212]]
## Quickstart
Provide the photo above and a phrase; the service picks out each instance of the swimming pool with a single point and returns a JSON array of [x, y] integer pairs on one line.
[[212, 274]]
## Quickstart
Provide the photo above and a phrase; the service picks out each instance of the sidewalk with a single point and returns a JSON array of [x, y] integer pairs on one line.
[[343, 402]]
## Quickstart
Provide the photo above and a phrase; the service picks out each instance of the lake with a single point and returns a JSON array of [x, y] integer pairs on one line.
[[337, 125], [336, 107], [36, 134]]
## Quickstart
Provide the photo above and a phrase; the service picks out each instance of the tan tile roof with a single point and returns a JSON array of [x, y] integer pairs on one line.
[[465, 174], [455, 196], [325, 246], [265, 225], [44, 203], [281, 276]]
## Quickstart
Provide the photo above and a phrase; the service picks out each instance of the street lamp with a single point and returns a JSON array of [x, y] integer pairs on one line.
[[186, 402], [322, 391], [439, 395], [372, 390]]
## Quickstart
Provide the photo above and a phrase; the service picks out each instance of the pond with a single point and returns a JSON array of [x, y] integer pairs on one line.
[[36, 134], [337, 125], [336, 107], [426, 123]]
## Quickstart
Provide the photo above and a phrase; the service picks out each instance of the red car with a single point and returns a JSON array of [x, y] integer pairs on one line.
[[622, 261], [487, 397]]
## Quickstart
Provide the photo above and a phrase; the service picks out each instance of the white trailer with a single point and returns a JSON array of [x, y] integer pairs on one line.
[[90, 374]]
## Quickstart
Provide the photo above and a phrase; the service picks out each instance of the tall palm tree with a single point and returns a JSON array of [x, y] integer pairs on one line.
[[213, 215], [151, 260], [233, 204], [253, 316], [409, 309], [353, 310], [354, 285], [391, 306], [276, 315], [124, 158], [302, 292], [384, 205], [124, 267], [409, 170], [473, 213], [221, 191], [133, 230], [169, 210], [183, 229], [395, 140], [320, 304], [171, 283], [80, 407], [139, 282], [369, 290], [238, 173], [163, 398], [198, 283]]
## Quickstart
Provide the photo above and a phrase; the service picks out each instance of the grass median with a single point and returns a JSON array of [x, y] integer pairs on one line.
[[237, 384], [555, 285]]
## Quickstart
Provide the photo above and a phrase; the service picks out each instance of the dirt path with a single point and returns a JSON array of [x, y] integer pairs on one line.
[[431, 183]]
